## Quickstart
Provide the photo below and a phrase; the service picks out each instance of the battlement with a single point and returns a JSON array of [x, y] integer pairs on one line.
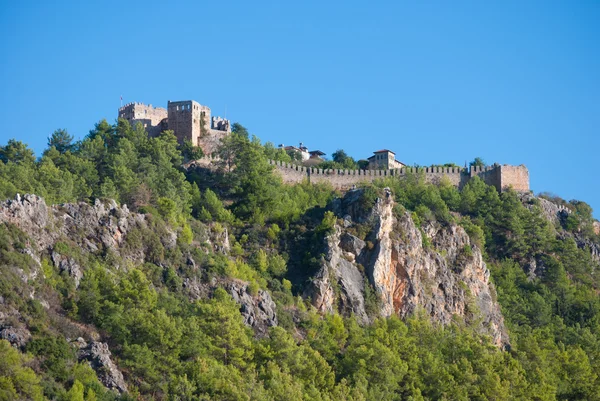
[[220, 124], [141, 109], [500, 176], [152, 118], [186, 105]]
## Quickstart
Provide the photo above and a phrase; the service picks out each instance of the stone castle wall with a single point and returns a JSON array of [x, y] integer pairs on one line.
[[152, 118], [499, 176], [514, 176], [211, 140]]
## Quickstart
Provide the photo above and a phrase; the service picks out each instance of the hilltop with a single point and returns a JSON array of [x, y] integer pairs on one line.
[[129, 272]]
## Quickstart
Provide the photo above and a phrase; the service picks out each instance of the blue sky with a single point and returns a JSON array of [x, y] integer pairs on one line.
[[513, 82]]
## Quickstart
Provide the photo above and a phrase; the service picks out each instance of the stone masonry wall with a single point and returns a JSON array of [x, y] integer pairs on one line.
[[515, 176], [152, 118], [211, 141], [184, 120]]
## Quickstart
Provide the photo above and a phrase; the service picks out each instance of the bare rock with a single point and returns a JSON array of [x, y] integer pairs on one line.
[[17, 336], [351, 244], [220, 240], [259, 312], [338, 271], [196, 289], [93, 227], [30, 214], [98, 356], [586, 243], [69, 265], [446, 279], [551, 211]]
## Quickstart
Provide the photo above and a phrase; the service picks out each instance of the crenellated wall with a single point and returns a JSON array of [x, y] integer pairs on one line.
[[500, 176], [152, 118]]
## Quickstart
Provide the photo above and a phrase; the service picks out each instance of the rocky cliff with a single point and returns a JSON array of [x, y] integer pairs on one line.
[[556, 215], [399, 268], [97, 229]]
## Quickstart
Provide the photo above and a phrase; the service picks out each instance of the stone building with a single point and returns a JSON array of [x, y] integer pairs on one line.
[[384, 160], [154, 119], [309, 158], [301, 150], [187, 119], [316, 157]]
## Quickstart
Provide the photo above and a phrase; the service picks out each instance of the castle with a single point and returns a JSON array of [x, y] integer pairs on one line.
[[187, 119], [192, 121]]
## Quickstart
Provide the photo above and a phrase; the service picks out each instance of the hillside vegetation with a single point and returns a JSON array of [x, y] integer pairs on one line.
[[200, 286]]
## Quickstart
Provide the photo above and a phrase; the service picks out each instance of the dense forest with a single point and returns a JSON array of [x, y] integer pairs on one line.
[[237, 224]]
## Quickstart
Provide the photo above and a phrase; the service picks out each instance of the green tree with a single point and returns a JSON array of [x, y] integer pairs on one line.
[[16, 152], [76, 392], [61, 140], [254, 186], [477, 162], [191, 152], [17, 381]]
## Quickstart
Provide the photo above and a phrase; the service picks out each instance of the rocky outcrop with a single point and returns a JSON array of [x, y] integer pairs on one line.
[[98, 355], [339, 284], [257, 311], [585, 243], [435, 268], [448, 279], [551, 211], [12, 327], [91, 226], [68, 265], [556, 214], [17, 336]]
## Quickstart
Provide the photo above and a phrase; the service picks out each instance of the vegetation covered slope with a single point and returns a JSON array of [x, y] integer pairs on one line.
[[157, 289]]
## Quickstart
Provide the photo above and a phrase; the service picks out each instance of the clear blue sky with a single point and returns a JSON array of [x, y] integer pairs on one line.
[[512, 81]]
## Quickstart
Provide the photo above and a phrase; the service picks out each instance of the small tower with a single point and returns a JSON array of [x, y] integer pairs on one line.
[[185, 119]]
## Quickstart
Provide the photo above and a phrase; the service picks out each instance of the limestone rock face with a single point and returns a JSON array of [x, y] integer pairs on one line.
[[12, 326], [31, 215], [69, 265], [102, 224], [98, 356], [550, 210], [586, 243], [259, 312], [446, 278], [16, 336], [557, 214], [338, 269]]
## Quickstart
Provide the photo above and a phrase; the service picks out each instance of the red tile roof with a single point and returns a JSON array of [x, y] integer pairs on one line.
[[384, 151]]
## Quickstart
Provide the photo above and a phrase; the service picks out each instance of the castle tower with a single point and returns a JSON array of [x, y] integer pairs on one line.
[[188, 120]]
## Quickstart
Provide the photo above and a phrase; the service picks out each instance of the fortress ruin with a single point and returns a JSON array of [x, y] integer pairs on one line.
[[190, 120], [187, 119]]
